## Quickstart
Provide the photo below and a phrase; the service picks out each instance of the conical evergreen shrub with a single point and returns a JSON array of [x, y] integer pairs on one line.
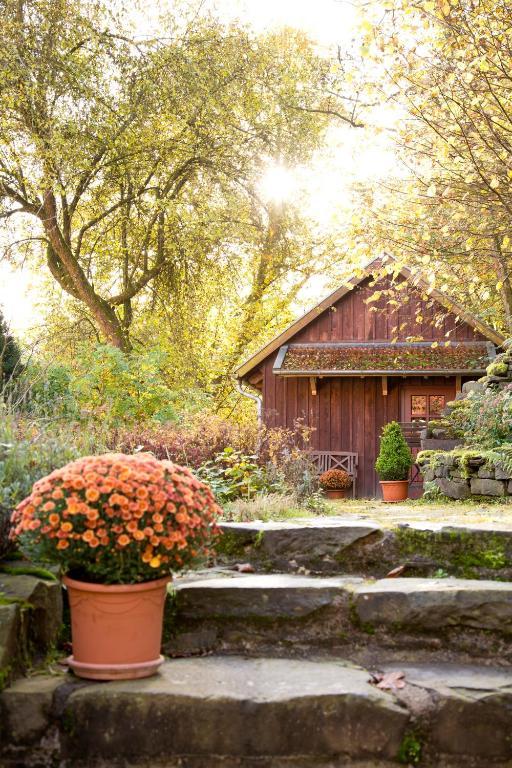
[[395, 459]]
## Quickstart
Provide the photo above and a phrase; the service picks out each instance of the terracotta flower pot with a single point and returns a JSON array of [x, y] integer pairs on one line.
[[116, 630], [394, 490], [336, 493]]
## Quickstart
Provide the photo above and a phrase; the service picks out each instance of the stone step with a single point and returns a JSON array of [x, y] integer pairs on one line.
[[332, 545], [30, 621], [293, 614], [266, 712]]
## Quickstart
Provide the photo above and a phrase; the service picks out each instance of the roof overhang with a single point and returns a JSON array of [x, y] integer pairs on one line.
[[374, 266]]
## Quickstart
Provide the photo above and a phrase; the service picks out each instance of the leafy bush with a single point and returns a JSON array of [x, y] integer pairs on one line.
[[10, 356], [46, 392], [28, 451], [394, 460], [118, 388], [232, 475], [199, 439], [117, 519], [486, 417], [286, 454], [335, 480]]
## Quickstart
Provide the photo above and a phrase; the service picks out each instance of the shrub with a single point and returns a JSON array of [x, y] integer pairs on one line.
[[117, 519], [10, 356], [486, 419], [232, 475], [45, 392], [198, 440], [31, 449], [287, 456], [394, 460], [118, 388], [335, 480]]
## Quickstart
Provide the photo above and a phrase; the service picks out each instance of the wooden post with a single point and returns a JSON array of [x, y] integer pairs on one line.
[[458, 384], [384, 385], [312, 381]]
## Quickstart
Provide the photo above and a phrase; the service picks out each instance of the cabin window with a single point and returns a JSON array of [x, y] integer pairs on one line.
[[418, 407], [426, 407], [436, 406]]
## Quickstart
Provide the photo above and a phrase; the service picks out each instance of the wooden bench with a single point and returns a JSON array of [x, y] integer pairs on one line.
[[346, 460]]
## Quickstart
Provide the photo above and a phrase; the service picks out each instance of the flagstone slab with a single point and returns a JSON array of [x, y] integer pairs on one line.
[[272, 596], [431, 604], [236, 712], [334, 545]]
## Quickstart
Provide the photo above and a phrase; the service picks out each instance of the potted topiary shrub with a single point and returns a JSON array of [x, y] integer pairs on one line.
[[118, 526], [393, 463], [335, 483]]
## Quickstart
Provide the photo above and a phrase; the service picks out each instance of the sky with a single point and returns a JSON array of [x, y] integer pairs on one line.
[[351, 154]]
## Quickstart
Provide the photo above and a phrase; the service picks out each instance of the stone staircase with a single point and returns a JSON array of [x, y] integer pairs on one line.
[[304, 667]]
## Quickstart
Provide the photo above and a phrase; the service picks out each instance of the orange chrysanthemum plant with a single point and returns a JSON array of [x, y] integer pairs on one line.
[[117, 519], [335, 480]]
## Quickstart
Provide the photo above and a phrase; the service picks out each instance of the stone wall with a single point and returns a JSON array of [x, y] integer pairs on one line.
[[463, 472]]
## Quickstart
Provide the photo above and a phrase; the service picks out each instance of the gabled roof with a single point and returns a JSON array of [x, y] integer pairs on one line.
[[414, 278]]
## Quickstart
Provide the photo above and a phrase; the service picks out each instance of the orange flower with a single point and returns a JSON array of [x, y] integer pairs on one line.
[[147, 556], [131, 527], [94, 542], [138, 535], [66, 527], [157, 518], [48, 506], [88, 535], [54, 520], [141, 492], [78, 483], [154, 562], [123, 540], [92, 494], [63, 544], [57, 494]]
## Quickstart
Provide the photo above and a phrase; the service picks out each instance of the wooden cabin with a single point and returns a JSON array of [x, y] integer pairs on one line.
[[380, 348]]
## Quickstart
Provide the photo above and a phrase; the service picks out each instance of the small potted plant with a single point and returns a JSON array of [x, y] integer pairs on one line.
[[393, 463], [335, 483], [118, 526]]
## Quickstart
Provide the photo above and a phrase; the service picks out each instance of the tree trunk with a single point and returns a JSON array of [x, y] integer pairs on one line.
[[506, 287], [75, 282]]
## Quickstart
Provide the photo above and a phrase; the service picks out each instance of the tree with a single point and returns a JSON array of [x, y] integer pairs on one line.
[[448, 69], [119, 153], [10, 355]]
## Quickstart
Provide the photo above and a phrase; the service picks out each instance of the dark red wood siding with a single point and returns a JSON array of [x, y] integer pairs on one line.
[[347, 414]]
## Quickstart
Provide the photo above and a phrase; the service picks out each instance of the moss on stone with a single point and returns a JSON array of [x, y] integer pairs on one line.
[[230, 544], [410, 749], [499, 368], [460, 552], [28, 570]]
